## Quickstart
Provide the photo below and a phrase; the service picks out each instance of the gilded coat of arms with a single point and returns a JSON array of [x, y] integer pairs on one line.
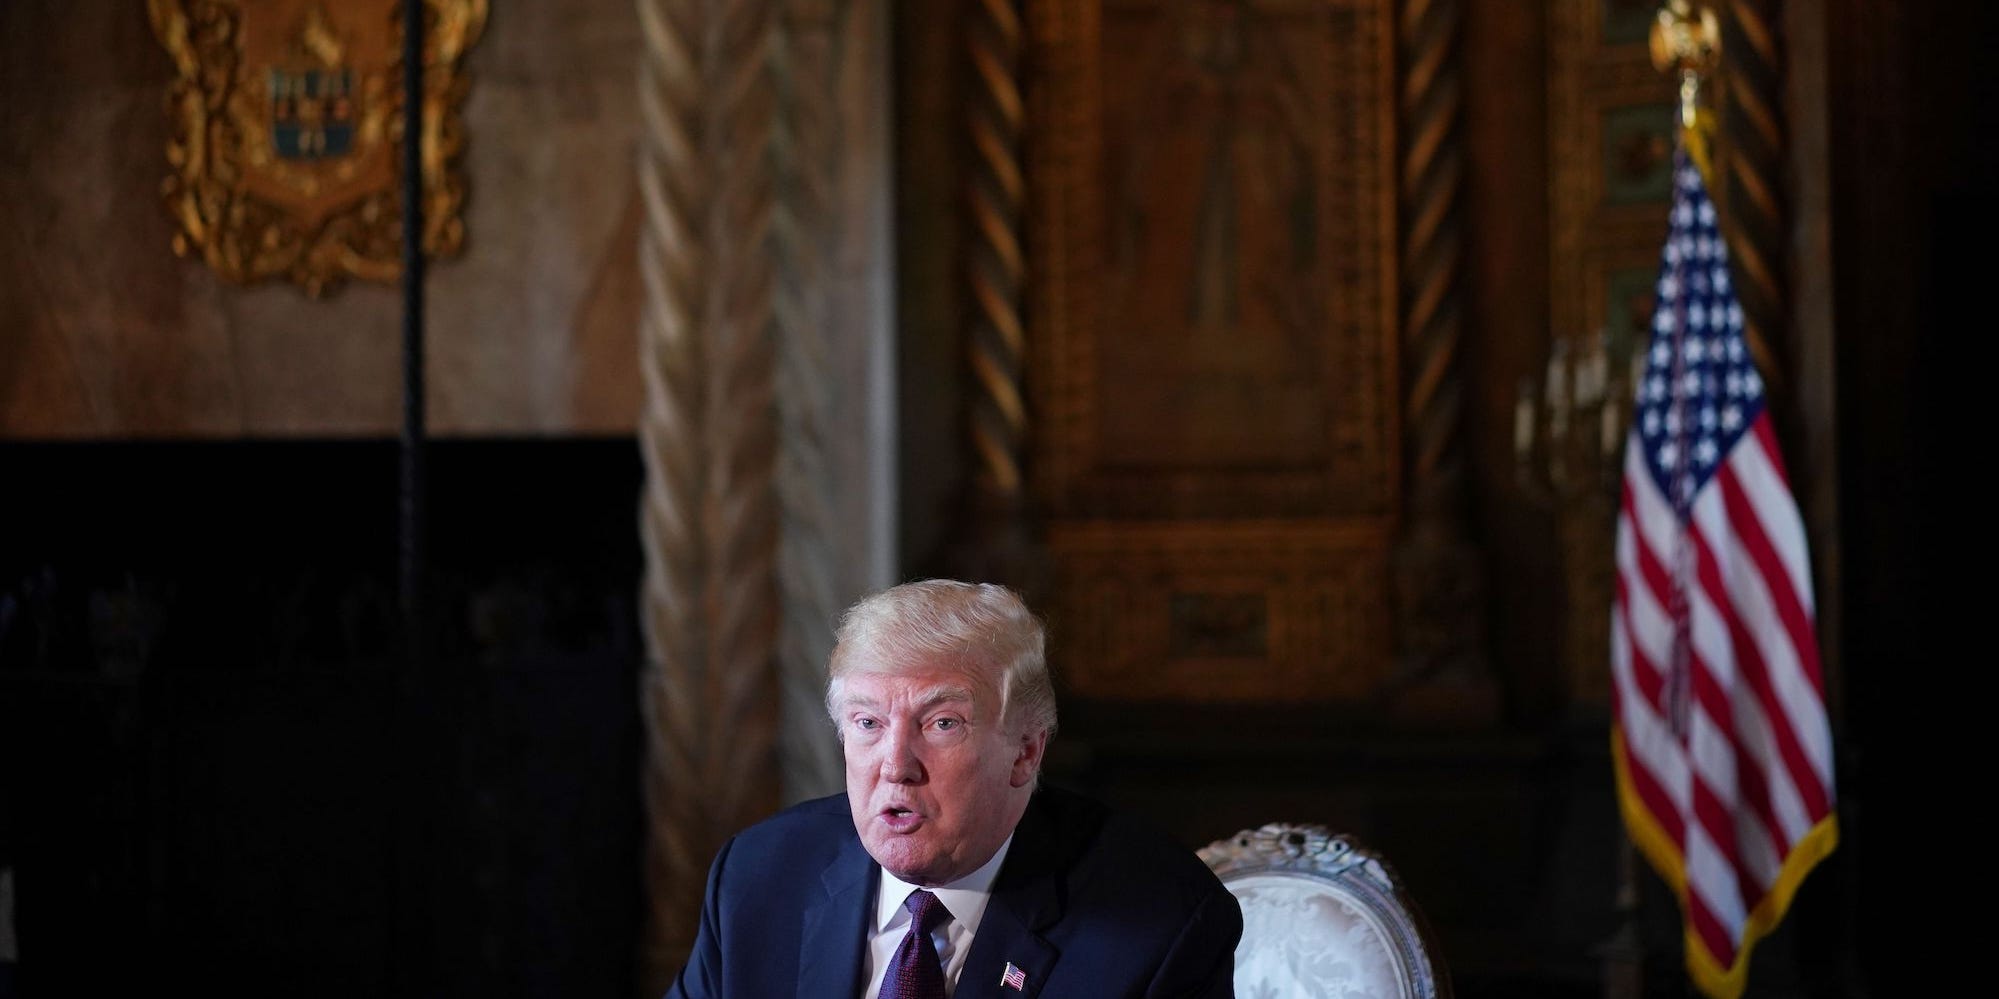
[[286, 121]]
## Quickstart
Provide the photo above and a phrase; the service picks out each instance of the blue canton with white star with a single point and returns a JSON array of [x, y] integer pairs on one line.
[[1700, 392]]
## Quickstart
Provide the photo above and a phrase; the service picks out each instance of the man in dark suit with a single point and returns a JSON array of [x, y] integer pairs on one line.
[[944, 871]]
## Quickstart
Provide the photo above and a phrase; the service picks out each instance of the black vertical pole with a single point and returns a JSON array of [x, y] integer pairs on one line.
[[408, 894], [412, 512]]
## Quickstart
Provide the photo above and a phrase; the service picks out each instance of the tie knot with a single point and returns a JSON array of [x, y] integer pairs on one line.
[[925, 910]]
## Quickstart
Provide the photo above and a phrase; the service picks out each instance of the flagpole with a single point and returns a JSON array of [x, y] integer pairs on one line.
[[411, 511], [1623, 954], [409, 842], [1688, 43]]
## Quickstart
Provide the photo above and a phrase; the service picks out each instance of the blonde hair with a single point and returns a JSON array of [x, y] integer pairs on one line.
[[983, 627]]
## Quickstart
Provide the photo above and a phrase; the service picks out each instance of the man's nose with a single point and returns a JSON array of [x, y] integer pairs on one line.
[[900, 764]]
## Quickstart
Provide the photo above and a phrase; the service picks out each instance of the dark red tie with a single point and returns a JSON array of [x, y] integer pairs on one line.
[[915, 972]]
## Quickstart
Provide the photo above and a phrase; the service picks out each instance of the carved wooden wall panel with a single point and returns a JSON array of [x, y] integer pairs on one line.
[[1222, 612], [1611, 127], [1213, 364]]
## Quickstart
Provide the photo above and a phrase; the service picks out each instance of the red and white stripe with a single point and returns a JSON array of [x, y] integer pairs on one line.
[[1732, 792]]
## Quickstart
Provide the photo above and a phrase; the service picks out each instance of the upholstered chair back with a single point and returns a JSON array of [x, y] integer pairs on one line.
[[1323, 917]]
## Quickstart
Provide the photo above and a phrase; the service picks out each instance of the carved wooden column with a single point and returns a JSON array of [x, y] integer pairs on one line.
[[1439, 585], [1750, 158], [708, 520], [807, 163], [994, 278]]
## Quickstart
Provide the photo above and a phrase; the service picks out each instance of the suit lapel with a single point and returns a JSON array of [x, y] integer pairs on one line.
[[1005, 938], [1026, 900], [835, 930]]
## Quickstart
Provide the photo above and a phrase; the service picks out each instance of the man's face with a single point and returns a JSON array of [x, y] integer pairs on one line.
[[935, 779]]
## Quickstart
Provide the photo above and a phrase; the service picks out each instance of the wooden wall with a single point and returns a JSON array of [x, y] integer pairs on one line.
[[531, 330]]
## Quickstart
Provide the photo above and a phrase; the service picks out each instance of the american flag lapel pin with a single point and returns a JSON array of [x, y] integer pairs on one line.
[[1014, 978]]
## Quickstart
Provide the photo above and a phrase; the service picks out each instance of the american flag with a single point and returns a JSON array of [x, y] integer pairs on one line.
[[1721, 743], [1013, 978]]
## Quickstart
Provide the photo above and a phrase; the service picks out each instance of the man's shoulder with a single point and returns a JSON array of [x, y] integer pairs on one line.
[[1133, 905], [815, 810], [819, 820], [1113, 843], [794, 847]]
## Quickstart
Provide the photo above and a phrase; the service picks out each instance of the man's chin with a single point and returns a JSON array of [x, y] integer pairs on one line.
[[906, 860]]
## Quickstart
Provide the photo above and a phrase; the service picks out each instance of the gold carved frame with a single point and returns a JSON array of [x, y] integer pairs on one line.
[[286, 117]]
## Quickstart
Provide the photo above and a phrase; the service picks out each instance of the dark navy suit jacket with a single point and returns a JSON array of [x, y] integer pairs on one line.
[[1088, 904]]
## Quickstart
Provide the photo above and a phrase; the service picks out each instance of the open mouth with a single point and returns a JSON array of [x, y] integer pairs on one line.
[[900, 819]]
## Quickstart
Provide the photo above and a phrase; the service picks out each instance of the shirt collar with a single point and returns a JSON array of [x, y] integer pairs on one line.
[[965, 898]]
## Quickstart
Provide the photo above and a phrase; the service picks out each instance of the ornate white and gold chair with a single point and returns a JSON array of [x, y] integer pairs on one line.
[[1323, 916]]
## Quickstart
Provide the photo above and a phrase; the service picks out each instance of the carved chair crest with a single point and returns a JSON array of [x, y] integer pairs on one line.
[[1323, 916]]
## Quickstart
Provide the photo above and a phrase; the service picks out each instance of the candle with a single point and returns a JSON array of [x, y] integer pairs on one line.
[[1596, 367], [1611, 425], [1558, 376], [1523, 421]]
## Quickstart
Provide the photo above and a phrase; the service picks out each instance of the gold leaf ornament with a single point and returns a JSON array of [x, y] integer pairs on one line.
[[285, 119]]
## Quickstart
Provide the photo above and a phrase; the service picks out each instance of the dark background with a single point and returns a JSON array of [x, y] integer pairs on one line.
[[223, 769]]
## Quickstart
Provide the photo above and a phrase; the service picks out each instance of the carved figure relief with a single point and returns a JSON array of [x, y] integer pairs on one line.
[[1214, 189]]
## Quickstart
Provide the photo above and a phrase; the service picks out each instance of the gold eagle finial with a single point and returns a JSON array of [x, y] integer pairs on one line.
[[1690, 43]]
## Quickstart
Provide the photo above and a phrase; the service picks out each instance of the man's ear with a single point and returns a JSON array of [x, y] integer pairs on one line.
[[1027, 760]]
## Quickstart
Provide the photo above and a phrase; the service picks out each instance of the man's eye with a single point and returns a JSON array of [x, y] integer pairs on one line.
[[866, 724], [947, 724]]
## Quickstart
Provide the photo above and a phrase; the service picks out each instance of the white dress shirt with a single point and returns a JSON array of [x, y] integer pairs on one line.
[[964, 898]]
